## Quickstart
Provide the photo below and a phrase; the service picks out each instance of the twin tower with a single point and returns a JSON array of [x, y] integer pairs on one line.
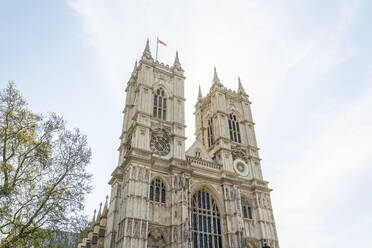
[[210, 196]]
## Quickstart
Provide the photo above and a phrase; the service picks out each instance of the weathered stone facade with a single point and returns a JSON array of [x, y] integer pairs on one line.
[[213, 194]]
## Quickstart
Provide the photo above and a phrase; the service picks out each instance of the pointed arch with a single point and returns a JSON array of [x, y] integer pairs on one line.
[[161, 84], [213, 191], [210, 132], [157, 192], [160, 97], [234, 127], [206, 221], [247, 207]]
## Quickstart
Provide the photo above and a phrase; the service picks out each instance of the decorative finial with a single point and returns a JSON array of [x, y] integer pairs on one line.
[[177, 63], [147, 48], [99, 213], [200, 93], [133, 76], [216, 80], [135, 68], [94, 219], [146, 52], [215, 76], [177, 60], [105, 208], [241, 90]]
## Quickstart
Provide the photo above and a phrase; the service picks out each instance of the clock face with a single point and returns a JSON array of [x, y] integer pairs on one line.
[[241, 167], [160, 145]]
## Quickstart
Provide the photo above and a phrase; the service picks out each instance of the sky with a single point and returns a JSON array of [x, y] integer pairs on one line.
[[306, 66]]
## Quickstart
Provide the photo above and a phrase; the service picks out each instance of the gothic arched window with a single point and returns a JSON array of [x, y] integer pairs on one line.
[[206, 221], [234, 128], [160, 104], [157, 191], [246, 208], [210, 133]]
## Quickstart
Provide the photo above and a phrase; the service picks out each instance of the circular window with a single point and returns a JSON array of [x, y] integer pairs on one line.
[[241, 167]]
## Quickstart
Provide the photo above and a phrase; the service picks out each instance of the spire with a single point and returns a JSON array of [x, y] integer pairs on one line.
[[200, 93], [93, 220], [216, 80], [177, 63], [133, 76], [105, 208], [241, 90], [146, 52], [177, 60], [147, 48], [134, 69], [215, 76], [99, 214]]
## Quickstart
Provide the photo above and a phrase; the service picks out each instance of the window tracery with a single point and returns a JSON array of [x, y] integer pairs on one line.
[[210, 133], [246, 208], [160, 104], [206, 222], [157, 191], [234, 128]]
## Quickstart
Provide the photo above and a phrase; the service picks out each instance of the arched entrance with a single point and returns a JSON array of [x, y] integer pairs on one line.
[[206, 221]]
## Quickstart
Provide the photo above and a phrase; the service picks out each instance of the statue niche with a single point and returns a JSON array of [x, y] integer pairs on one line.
[[156, 239]]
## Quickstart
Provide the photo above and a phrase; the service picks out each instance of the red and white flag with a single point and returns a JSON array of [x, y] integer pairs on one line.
[[161, 42]]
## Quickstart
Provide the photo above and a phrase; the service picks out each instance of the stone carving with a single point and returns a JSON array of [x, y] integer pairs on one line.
[[140, 170], [156, 237], [185, 231], [143, 232], [134, 173], [238, 152], [128, 143], [232, 194], [176, 231], [136, 229], [226, 193], [161, 130], [129, 227]]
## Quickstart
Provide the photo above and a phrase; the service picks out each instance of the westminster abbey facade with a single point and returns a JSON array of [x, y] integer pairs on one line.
[[212, 195]]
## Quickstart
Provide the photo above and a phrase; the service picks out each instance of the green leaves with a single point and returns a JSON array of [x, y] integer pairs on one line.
[[43, 178]]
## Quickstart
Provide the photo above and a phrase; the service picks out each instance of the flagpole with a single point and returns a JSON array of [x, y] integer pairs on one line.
[[157, 44]]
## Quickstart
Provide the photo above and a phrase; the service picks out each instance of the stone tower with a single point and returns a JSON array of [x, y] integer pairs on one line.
[[213, 195]]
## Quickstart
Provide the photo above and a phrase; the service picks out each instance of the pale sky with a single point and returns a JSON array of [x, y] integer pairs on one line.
[[306, 66]]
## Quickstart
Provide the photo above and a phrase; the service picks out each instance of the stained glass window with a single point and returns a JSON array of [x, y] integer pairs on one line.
[[206, 221]]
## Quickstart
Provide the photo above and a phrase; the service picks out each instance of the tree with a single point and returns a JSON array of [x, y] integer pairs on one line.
[[43, 177], [63, 239]]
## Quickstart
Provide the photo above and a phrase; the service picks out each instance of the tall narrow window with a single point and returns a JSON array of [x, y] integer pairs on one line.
[[210, 133], [246, 208], [157, 191], [160, 104], [234, 128], [206, 221]]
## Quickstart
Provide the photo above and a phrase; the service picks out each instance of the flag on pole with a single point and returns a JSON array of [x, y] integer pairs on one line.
[[161, 42]]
